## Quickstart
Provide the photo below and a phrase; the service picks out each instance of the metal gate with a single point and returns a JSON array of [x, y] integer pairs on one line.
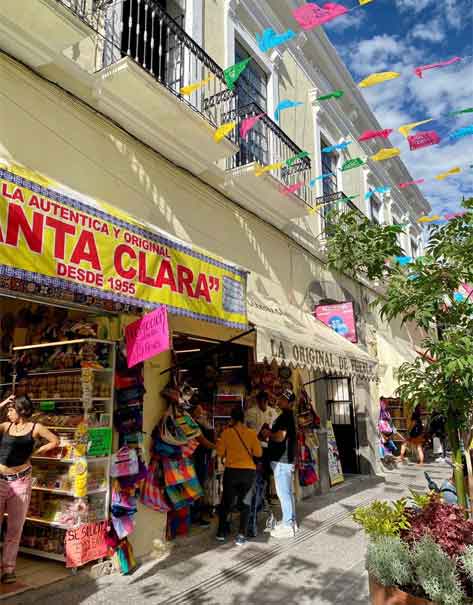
[[341, 412]]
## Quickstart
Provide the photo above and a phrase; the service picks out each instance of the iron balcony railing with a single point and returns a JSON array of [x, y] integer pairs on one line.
[[143, 31], [332, 205], [84, 9], [267, 144]]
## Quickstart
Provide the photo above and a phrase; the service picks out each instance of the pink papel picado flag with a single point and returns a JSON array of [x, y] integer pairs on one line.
[[374, 134], [419, 71], [410, 183], [423, 139], [287, 190], [248, 124], [309, 15]]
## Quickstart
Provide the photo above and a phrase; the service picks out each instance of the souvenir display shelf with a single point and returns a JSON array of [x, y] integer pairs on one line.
[[223, 404], [69, 401], [399, 416]]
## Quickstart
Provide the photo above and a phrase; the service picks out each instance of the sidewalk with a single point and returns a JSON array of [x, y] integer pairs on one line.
[[322, 565]]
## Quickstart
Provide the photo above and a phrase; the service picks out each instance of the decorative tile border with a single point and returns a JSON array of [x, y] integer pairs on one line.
[[104, 216], [31, 283]]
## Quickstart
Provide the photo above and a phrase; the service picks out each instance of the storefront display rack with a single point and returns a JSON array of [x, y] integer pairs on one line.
[[64, 398]]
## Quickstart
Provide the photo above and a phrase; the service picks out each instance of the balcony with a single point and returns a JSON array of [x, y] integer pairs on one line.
[[335, 201], [267, 195], [147, 58], [40, 33]]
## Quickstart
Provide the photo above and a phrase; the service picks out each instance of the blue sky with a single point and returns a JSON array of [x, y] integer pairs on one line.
[[398, 35]]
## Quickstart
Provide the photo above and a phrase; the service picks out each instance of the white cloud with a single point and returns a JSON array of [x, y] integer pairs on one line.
[[409, 99], [353, 21], [434, 32], [378, 53], [454, 13], [414, 5]]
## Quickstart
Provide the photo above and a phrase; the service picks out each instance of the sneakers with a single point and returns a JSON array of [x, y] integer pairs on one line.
[[9, 578], [283, 531], [220, 537], [240, 540]]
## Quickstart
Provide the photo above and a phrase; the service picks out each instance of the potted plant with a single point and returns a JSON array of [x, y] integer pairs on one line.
[[420, 552]]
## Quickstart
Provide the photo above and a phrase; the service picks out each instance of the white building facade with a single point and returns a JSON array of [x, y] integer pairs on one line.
[[90, 97]]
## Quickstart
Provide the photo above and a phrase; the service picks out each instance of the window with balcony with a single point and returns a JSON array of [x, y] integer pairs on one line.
[[266, 143], [376, 209], [329, 165], [146, 37], [252, 97], [414, 248]]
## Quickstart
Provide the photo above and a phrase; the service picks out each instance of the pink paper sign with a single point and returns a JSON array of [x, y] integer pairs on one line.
[[423, 139], [85, 543], [340, 317], [147, 337], [310, 15]]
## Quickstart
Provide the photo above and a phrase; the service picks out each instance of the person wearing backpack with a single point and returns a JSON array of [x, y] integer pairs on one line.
[[416, 436], [238, 446]]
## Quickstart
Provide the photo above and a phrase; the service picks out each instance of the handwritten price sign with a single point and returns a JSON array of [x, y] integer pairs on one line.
[[147, 337], [85, 543]]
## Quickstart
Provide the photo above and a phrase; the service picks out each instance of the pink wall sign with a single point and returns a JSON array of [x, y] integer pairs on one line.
[[147, 337], [340, 317]]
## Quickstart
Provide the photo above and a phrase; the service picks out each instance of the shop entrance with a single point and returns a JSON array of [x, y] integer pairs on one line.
[[49, 371], [341, 412]]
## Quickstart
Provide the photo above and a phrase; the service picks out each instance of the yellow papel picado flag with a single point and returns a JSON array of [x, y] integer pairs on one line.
[[443, 175], [406, 128], [386, 154], [188, 90], [374, 79], [223, 130], [259, 170]]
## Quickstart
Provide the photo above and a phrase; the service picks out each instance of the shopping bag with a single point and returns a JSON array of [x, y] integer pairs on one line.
[[124, 462]]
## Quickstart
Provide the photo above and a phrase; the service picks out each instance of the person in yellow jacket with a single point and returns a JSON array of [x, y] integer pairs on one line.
[[238, 446]]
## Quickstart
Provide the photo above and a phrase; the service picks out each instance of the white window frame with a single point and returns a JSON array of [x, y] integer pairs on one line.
[[324, 134], [234, 31], [193, 20]]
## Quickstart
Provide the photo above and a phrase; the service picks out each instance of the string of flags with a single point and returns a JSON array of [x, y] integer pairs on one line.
[[308, 17]]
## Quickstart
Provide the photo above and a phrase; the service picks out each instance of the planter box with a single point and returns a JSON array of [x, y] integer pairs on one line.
[[383, 595]]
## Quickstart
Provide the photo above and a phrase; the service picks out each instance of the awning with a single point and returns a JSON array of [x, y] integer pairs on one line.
[[58, 243], [289, 335]]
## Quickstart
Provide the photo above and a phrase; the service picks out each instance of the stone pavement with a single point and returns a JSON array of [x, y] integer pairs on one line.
[[322, 565]]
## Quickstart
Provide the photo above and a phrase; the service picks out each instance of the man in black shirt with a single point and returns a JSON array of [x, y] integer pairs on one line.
[[282, 454]]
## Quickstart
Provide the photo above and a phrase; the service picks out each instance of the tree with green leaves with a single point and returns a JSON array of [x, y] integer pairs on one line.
[[425, 291]]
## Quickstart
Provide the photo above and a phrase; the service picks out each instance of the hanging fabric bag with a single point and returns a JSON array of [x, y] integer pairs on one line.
[[124, 462]]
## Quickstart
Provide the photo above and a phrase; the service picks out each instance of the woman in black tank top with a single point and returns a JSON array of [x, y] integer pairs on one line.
[[18, 437]]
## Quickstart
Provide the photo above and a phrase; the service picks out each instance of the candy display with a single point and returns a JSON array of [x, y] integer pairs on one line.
[[71, 386]]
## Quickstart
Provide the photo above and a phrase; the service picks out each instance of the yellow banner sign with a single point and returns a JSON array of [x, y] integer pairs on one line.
[[49, 236]]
